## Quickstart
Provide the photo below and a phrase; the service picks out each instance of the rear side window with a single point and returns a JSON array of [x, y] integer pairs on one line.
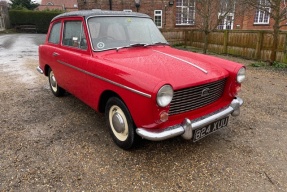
[[55, 33], [74, 35]]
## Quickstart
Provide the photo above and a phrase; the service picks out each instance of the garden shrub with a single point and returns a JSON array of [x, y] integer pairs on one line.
[[41, 19]]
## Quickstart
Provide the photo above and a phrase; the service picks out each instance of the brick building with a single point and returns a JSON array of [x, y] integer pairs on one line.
[[64, 5], [258, 20], [181, 14], [162, 11], [4, 16]]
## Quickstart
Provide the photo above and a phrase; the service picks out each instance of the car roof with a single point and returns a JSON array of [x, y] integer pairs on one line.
[[98, 12]]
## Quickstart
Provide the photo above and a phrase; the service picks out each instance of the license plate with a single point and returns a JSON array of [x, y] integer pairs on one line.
[[204, 131]]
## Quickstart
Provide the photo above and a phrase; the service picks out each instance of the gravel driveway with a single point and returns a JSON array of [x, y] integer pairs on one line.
[[61, 144]]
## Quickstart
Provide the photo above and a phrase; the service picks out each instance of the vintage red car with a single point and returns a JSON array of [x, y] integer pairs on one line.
[[119, 64]]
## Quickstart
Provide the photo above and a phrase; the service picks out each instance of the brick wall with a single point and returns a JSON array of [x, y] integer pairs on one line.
[[246, 22], [66, 5], [146, 6], [242, 20], [4, 16]]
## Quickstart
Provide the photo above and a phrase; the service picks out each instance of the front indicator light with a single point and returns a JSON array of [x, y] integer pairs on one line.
[[163, 116]]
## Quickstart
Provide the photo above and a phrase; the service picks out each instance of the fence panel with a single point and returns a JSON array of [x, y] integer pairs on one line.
[[248, 44]]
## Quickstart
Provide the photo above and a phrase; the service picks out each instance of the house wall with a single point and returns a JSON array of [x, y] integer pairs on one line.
[[65, 5], [146, 6], [242, 20], [246, 21], [4, 16]]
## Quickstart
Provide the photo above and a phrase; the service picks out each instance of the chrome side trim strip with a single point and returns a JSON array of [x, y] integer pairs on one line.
[[104, 79], [201, 69]]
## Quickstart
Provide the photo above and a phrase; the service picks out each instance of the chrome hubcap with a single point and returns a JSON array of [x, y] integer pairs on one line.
[[118, 122], [53, 81]]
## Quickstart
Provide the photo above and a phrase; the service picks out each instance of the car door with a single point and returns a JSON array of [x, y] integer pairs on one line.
[[72, 55]]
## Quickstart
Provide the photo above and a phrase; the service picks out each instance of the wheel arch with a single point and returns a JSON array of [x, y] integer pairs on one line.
[[105, 96], [46, 69]]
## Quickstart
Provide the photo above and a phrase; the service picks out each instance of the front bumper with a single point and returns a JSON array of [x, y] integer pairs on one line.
[[186, 128], [39, 70]]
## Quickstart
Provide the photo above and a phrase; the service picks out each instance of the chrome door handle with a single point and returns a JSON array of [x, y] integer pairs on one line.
[[55, 54]]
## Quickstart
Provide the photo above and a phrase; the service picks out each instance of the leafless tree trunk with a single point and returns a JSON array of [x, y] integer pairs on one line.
[[211, 13], [277, 11]]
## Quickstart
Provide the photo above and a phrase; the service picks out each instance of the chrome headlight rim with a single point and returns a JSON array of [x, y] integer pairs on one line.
[[241, 75], [164, 95]]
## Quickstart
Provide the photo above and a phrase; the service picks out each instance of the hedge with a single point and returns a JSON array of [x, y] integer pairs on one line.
[[41, 19]]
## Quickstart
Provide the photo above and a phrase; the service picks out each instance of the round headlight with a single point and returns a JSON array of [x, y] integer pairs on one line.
[[241, 75], [164, 95]]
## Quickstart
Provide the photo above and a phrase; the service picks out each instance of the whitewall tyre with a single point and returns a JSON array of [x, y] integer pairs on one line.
[[121, 125]]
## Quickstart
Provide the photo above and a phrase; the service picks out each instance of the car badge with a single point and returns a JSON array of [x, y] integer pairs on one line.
[[205, 92]]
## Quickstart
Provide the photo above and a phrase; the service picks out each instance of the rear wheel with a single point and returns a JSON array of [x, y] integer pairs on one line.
[[56, 89], [120, 123]]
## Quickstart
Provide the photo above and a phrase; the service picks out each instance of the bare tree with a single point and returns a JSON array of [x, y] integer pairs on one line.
[[276, 9], [212, 13]]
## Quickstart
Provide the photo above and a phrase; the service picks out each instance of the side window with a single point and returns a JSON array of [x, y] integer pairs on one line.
[[55, 33], [74, 35]]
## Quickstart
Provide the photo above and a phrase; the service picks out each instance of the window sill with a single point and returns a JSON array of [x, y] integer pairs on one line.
[[261, 24], [184, 25]]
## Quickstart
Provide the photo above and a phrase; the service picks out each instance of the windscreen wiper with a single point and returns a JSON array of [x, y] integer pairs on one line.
[[159, 43], [133, 45], [138, 45]]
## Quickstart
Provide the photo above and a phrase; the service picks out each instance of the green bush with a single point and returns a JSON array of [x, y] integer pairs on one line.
[[41, 19], [276, 64], [279, 65], [259, 64]]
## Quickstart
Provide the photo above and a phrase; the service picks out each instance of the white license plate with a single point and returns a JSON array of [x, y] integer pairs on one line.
[[204, 131]]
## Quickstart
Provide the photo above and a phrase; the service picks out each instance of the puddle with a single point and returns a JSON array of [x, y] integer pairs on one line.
[[19, 57]]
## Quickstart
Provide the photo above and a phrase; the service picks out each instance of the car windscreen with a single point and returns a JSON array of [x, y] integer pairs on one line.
[[117, 32]]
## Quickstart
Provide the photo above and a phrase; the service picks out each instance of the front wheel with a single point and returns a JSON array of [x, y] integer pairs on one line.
[[56, 89], [120, 123]]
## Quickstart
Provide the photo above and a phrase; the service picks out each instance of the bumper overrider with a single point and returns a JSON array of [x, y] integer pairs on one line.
[[39, 70], [186, 128]]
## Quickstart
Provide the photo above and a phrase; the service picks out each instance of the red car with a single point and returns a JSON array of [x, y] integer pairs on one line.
[[120, 64]]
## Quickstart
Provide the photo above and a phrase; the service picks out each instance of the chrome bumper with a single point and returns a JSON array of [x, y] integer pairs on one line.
[[39, 70], [187, 126]]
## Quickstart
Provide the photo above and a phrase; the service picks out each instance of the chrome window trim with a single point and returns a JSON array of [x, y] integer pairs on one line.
[[105, 79], [115, 48]]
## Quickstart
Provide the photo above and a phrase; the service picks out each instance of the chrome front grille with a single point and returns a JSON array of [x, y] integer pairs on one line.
[[195, 97]]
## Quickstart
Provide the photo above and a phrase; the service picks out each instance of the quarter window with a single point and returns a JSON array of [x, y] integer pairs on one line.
[[74, 35], [262, 15], [185, 12], [55, 33], [158, 18]]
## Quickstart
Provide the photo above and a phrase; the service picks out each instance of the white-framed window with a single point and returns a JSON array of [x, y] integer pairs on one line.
[[227, 22], [185, 12], [262, 15], [227, 6], [50, 3], [128, 10], [158, 18]]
